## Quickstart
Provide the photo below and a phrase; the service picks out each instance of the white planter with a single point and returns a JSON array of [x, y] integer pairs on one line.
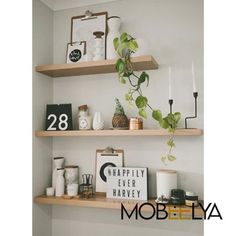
[[72, 190], [60, 184], [98, 123], [58, 163], [71, 174], [114, 23], [166, 181]]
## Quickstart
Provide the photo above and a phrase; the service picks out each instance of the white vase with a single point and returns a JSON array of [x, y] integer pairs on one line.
[[58, 163], [71, 174], [60, 183], [113, 32], [98, 122], [166, 180]]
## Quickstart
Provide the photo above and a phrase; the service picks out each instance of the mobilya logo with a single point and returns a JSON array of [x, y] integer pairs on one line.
[[162, 211]]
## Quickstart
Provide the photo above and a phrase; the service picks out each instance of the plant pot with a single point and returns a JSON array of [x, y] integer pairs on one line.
[[120, 122]]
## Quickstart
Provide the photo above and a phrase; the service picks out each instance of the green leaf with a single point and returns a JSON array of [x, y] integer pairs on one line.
[[120, 66], [122, 80], [141, 101], [132, 45], [171, 143], [163, 159], [164, 123], [116, 43], [142, 78], [177, 116], [124, 37], [143, 113], [171, 157], [156, 114]]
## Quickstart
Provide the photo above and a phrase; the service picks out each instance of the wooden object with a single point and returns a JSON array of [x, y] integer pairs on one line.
[[95, 67], [100, 201], [104, 133]]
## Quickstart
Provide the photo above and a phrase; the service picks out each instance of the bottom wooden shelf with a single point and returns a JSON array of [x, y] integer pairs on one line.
[[105, 203]]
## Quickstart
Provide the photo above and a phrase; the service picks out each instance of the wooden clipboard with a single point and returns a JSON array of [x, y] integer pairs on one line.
[[94, 18], [116, 157]]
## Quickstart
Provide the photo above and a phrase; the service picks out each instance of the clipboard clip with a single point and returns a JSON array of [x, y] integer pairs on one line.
[[109, 151], [88, 16]]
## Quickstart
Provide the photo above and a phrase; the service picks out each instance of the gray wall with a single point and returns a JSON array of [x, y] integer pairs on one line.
[[174, 31], [42, 94]]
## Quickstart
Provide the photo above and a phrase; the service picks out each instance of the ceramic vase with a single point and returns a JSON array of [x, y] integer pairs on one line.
[[58, 163], [98, 122], [166, 180], [60, 183], [71, 174], [98, 46], [113, 32]]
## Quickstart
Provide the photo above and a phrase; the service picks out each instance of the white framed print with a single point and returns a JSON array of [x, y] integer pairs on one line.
[[103, 161], [75, 52]]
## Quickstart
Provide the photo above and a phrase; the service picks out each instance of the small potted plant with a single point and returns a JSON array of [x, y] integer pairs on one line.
[[119, 120]]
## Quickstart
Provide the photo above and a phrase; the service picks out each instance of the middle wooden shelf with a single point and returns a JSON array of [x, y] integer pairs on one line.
[[104, 133]]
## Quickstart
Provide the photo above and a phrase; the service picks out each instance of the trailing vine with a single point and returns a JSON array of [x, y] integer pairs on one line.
[[125, 46]]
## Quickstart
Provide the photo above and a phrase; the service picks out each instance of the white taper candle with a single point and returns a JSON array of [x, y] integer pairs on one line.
[[170, 85], [193, 78]]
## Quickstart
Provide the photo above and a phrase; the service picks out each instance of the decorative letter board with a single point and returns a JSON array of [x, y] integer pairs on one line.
[[127, 183]]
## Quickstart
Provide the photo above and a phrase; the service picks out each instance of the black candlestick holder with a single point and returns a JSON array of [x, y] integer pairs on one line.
[[170, 103], [195, 95]]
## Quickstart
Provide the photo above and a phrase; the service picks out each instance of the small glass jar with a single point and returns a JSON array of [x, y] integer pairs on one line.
[[84, 119]]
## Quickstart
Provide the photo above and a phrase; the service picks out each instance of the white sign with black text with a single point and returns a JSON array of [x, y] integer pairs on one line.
[[127, 183]]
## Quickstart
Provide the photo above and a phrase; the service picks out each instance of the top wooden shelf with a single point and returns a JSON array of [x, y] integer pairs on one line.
[[107, 133], [146, 62]]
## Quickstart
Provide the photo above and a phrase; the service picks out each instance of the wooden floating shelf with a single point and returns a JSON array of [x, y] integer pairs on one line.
[[146, 62], [105, 133], [105, 203]]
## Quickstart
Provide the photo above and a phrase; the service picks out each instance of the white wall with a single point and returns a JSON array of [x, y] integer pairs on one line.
[[174, 30], [42, 94]]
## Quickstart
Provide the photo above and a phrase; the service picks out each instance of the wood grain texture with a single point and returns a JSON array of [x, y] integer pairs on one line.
[[146, 62], [105, 203], [104, 133]]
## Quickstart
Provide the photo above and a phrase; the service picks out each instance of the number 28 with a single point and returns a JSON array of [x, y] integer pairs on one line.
[[62, 125]]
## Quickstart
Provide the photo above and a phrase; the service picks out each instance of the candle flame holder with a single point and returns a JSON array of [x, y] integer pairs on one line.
[[171, 103], [195, 95]]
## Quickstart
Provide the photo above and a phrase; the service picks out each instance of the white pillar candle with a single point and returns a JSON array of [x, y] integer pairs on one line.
[[170, 85], [193, 78], [166, 181]]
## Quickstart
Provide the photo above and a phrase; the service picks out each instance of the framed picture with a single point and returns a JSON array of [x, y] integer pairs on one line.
[[127, 183], [83, 27], [59, 117], [75, 52], [106, 159]]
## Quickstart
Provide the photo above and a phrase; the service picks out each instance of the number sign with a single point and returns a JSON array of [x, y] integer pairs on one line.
[[59, 117]]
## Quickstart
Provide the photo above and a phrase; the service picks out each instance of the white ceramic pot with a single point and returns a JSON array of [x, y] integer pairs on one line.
[[60, 184], [72, 190], [114, 23], [98, 122], [71, 174], [50, 191], [58, 163], [166, 180]]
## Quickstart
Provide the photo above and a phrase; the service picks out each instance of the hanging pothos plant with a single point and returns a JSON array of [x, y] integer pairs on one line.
[[125, 46]]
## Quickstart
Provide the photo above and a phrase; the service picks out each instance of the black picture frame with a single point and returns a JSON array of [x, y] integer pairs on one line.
[[58, 117]]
